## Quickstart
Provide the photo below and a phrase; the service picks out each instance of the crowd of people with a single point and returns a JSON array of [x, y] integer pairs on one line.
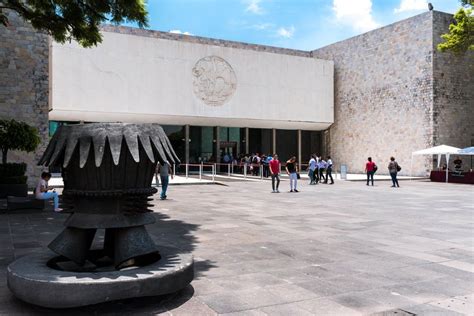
[[319, 171]]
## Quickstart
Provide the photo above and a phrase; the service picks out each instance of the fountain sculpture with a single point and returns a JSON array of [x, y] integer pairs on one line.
[[107, 169]]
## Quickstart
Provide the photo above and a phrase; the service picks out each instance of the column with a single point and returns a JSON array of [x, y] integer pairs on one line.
[[274, 141], [299, 148], [186, 143], [247, 140], [217, 138]]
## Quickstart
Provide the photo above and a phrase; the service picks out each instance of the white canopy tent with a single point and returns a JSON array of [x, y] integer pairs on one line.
[[437, 150]]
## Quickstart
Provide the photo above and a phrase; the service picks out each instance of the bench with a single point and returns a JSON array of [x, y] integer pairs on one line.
[[18, 203]]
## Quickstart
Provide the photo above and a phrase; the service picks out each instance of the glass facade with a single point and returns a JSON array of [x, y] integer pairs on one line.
[[221, 144]]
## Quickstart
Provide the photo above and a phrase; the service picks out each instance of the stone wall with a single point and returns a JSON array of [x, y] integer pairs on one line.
[[453, 92], [383, 96], [24, 84]]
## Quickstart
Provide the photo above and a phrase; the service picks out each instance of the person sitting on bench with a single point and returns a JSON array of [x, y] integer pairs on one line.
[[42, 189]]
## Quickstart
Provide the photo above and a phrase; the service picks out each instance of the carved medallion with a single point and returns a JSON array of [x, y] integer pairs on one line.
[[214, 80]]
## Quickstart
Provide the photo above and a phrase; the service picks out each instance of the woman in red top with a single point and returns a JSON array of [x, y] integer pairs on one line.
[[370, 168]]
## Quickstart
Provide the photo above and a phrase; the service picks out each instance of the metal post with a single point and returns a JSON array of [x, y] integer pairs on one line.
[[261, 172], [200, 171], [187, 170], [213, 172], [228, 169], [245, 170], [174, 170], [232, 168]]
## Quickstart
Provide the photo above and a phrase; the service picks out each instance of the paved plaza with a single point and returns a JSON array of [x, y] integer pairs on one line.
[[345, 249]]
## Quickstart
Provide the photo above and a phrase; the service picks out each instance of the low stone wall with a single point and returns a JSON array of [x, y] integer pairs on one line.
[[24, 55]]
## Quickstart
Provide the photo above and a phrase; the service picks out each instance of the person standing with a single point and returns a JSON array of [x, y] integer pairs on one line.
[[165, 170], [42, 188], [370, 168], [329, 170], [312, 169], [322, 167], [316, 171], [393, 168], [275, 170], [292, 170]]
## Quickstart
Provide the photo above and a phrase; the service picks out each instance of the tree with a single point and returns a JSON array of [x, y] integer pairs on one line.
[[79, 20], [461, 33], [16, 135]]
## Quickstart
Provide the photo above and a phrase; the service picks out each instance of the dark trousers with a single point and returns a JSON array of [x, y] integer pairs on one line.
[[277, 177], [329, 175], [321, 175], [370, 175], [394, 178], [316, 175], [164, 186]]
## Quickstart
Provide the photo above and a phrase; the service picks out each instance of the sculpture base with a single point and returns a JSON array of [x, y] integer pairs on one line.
[[31, 280]]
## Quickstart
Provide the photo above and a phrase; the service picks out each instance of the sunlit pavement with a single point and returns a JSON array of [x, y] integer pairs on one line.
[[342, 249]]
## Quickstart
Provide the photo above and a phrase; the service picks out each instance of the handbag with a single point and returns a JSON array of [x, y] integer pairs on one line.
[[298, 175], [375, 168], [398, 167]]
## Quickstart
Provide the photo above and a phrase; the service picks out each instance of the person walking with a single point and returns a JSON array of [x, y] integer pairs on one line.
[[394, 168], [322, 167], [275, 170], [42, 191], [316, 171], [165, 170], [370, 168], [311, 170], [329, 170], [292, 170]]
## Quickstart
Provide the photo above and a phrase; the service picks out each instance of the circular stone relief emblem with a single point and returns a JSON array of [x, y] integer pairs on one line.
[[214, 80]]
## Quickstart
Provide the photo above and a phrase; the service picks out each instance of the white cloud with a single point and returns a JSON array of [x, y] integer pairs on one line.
[[253, 6], [411, 5], [357, 14], [286, 32], [180, 32]]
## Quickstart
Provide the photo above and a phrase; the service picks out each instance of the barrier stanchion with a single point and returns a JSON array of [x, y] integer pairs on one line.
[[213, 173], [228, 170], [187, 170], [261, 172], [200, 171], [245, 170]]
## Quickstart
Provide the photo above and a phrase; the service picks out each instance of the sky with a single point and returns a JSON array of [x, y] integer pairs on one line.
[[296, 24]]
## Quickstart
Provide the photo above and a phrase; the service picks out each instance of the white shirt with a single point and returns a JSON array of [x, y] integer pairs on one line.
[[41, 184]]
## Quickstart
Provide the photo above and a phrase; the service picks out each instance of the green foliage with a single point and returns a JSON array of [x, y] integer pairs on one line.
[[67, 20], [461, 33], [16, 135]]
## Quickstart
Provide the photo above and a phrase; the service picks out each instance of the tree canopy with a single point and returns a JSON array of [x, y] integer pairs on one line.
[[16, 135], [67, 20], [461, 33]]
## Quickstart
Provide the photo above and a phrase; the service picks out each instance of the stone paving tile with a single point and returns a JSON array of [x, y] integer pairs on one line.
[[462, 306], [258, 253]]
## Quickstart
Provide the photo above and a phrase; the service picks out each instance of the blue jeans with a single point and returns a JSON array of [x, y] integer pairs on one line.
[[311, 176], [394, 178], [293, 180], [164, 186], [48, 196]]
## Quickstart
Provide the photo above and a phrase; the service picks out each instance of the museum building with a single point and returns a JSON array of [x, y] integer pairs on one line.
[[385, 92]]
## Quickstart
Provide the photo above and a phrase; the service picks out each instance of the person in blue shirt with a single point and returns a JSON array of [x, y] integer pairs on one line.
[[329, 170], [311, 170]]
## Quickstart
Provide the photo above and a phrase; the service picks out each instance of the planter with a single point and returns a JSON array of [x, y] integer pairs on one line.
[[13, 190]]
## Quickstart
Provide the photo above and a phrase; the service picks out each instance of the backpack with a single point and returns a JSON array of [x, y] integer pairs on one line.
[[375, 167], [398, 167]]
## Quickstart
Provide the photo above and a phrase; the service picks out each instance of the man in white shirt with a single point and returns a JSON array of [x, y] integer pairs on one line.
[[312, 168]]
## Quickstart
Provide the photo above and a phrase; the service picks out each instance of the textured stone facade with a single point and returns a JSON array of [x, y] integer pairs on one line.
[[24, 84], [204, 40], [453, 92], [394, 94]]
